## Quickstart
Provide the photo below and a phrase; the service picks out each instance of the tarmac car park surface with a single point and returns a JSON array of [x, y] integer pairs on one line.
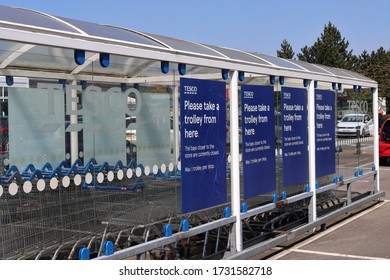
[[359, 235]]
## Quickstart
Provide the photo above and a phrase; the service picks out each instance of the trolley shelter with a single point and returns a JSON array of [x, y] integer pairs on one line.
[[116, 143]]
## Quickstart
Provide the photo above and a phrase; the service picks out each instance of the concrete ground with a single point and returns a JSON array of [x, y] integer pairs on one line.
[[361, 235]]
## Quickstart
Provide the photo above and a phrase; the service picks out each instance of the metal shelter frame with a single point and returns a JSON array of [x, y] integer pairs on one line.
[[25, 31]]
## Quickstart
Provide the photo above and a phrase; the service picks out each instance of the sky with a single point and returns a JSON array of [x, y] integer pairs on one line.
[[248, 25]]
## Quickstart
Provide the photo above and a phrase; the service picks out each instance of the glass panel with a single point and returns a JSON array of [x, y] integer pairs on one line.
[[233, 54], [119, 66], [335, 71], [48, 58], [185, 45], [354, 132], [149, 181], [154, 139], [356, 75], [7, 48], [36, 126], [111, 32], [22, 16], [277, 61], [104, 124], [310, 67], [129, 130]]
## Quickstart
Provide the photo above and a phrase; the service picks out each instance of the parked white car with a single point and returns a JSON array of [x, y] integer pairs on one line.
[[352, 124]]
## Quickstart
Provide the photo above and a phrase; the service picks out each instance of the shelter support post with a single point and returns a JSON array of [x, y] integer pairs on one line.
[[375, 110], [176, 142], [236, 244], [74, 138], [312, 150]]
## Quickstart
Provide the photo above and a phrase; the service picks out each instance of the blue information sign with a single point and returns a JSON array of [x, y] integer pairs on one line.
[[258, 139], [203, 143], [325, 132], [294, 136]]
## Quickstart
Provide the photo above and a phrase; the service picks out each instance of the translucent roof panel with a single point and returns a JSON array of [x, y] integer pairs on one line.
[[50, 59], [119, 67], [26, 17], [198, 70], [309, 67], [110, 32], [238, 55], [355, 75], [186, 45], [43, 57], [6, 48], [335, 71], [278, 61]]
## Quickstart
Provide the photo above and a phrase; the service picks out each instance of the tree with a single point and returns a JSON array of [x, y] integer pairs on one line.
[[330, 49], [286, 50], [377, 67]]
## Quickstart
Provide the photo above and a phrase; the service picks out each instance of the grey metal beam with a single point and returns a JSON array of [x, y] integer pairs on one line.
[[263, 246], [156, 243]]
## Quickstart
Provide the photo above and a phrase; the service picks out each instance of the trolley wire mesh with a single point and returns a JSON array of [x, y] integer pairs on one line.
[[33, 221]]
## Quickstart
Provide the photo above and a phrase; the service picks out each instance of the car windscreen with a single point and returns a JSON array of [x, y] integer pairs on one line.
[[352, 119]]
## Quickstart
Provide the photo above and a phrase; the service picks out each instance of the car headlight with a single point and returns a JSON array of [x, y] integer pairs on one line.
[[358, 127]]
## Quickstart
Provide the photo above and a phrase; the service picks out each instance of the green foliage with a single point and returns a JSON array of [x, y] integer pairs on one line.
[[330, 49], [377, 67], [286, 50]]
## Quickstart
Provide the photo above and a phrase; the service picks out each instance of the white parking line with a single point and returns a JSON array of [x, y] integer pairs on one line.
[[367, 164], [297, 247], [336, 255]]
